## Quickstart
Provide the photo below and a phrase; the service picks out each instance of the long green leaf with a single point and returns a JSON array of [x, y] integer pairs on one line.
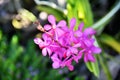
[[105, 66], [109, 40], [100, 25], [51, 8], [93, 67], [81, 10]]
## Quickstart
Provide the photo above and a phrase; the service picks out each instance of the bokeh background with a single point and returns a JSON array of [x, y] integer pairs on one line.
[[21, 59]]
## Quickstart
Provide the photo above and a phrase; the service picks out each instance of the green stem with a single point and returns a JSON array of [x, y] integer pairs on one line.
[[105, 67], [102, 22]]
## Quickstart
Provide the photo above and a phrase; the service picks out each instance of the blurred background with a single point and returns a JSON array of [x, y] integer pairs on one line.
[[21, 59]]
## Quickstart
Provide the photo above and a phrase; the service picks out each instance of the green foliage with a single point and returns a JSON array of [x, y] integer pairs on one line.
[[109, 40], [51, 8], [81, 10], [100, 24], [25, 62], [103, 63], [93, 67]]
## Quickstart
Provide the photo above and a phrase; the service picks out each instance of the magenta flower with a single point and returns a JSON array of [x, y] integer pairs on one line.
[[44, 44], [65, 45], [55, 29]]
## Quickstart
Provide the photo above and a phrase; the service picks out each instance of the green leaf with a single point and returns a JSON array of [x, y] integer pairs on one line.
[[104, 66], [110, 41], [93, 67], [100, 25], [80, 10], [14, 40], [51, 8], [1, 35], [85, 12], [79, 78]]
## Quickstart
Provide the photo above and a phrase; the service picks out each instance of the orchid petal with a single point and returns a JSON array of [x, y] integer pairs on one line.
[[59, 32], [52, 19], [85, 58], [47, 27], [80, 27], [77, 45], [96, 50], [91, 57], [74, 50], [44, 52], [88, 43], [38, 41], [72, 23], [78, 33], [89, 31], [70, 67], [49, 51], [55, 65], [62, 23]]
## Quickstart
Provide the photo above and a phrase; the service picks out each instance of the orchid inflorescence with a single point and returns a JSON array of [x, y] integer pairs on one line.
[[64, 45]]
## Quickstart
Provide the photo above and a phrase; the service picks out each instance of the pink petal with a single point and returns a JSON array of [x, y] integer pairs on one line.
[[88, 43], [72, 23], [68, 64], [80, 27], [44, 52], [38, 41], [89, 31], [77, 45], [70, 67], [58, 32], [49, 51], [86, 58], [75, 59], [80, 55], [47, 27], [55, 65], [74, 50], [78, 33], [52, 19], [55, 58], [68, 53], [46, 37], [96, 50], [91, 57], [62, 23]]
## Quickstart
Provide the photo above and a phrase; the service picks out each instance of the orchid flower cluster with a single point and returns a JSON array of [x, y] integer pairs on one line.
[[64, 45]]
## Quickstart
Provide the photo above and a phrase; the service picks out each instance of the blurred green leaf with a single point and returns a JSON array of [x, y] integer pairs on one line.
[[51, 8], [93, 67], [79, 78], [104, 65], [36, 77], [14, 40], [100, 25], [110, 41], [80, 10], [85, 12], [0, 35]]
